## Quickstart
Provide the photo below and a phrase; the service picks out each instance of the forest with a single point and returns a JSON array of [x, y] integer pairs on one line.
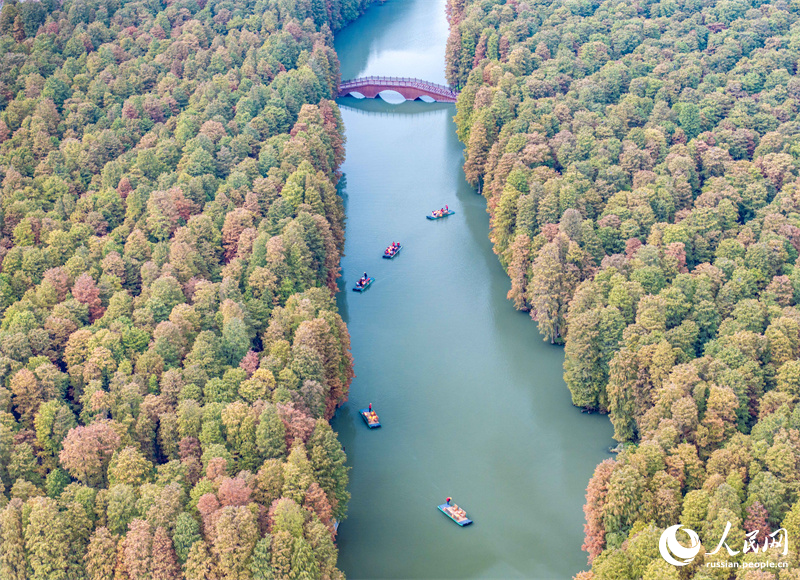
[[170, 237], [640, 165]]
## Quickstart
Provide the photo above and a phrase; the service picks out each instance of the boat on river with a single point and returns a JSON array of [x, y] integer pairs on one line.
[[390, 256], [440, 214], [455, 513], [370, 418], [360, 288]]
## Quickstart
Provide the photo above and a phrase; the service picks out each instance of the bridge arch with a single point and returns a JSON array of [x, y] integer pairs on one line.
[[409, 88]]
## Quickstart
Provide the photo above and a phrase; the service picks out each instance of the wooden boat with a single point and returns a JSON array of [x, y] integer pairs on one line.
[[444, 215], [370, 418], [391, 256], [456, 514], [358, 288]]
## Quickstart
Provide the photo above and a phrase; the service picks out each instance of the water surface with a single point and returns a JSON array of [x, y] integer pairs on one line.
[[472, 401]]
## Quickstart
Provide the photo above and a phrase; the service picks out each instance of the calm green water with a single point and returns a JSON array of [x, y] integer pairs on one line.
[[472, 401]]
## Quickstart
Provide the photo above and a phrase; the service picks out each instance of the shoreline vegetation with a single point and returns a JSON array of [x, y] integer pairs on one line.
[[640, 165], [170, 236]]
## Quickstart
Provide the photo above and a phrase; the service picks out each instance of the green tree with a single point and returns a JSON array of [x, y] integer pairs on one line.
[[271, 433], [46, 542], [328, 463], [187, 532], [553, 279]]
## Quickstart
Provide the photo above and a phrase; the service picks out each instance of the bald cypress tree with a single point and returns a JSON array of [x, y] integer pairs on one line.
[[304, 564], [200, 565], [282, 550], [269, 482], [46, 541], [187, 532], [478, 148], [271, 433], [234, 541], [101, 555], [260, 564], [518, 267], [328, 463], [553, 280], [165, 561], [27, 395], [319, 537], [78, 531], [138, 550], [297, 474], [12, 542], [316, 501]]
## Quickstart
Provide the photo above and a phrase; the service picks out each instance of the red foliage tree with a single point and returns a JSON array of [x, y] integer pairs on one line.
[[86, 292], [87, 452], [249, 363], [298, 424], [138, 551], [165, 561], [595, 533], [317, 502], [757, 519], [58, 278], [234, 492], [208, 506]]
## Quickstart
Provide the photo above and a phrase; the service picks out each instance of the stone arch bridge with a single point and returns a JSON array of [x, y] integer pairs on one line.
[[410, 89]]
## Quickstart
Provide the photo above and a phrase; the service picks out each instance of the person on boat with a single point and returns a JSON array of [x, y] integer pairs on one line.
[[448, 501], [370, 407], [447, 209]]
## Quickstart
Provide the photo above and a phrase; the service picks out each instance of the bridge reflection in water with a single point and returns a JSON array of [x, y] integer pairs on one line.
[[410, 89]]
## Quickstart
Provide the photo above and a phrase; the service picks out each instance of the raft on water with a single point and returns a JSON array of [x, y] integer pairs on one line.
[[393, 254], [370, 418], [366, 285], [440, 216], [456, 514]]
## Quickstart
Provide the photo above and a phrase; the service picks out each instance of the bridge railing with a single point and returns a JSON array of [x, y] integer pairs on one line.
[[398, 82]]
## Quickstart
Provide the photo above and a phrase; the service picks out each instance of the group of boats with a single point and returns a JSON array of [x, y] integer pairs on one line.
[[452, 511], [394, 248]]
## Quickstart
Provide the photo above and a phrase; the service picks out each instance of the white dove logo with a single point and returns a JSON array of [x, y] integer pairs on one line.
[[668, 545]]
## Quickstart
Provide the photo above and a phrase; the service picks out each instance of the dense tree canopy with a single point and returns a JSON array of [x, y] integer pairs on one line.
[[170, 234], [640, 162]]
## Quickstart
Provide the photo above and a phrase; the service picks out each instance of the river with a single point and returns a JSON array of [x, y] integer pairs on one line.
[[472, 401]]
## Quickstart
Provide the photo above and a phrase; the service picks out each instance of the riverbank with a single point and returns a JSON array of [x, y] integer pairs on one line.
[[170, 234], [643, 197]]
